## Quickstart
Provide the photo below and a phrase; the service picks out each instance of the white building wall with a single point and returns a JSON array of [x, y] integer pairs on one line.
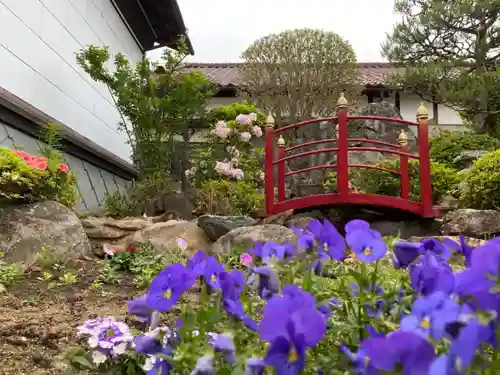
[[448, 118], [410, 103], [38, 42]]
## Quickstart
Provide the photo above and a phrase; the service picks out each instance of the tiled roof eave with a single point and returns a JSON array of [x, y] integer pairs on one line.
[[226, 74]]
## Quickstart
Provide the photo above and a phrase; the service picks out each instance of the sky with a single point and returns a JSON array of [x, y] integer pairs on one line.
[[220, 30]]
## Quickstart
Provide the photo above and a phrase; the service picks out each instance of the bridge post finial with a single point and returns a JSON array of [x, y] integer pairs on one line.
[[342, 103], [403, 138], [270, 121], [422, 112], [281, 141]]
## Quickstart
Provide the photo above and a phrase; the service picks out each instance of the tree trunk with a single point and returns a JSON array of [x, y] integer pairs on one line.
[[184, 160], [481, 55]]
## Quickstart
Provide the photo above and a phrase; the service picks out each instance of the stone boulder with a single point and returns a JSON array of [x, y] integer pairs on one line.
[[299, 222], [245, 237], [381, 130], [108, 229], [24, 229], [406, 229], [472, 223], [163, 236], [474, 242], [278, 219], [217, 226], [107, 232]]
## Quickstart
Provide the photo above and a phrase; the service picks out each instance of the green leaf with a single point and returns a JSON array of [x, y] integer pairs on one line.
[[82, 361], [131, 369]]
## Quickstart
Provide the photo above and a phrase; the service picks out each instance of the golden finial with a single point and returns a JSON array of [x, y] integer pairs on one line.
[[270, 120], [281, 141], [342, 101], [422, 112], [403, 138]]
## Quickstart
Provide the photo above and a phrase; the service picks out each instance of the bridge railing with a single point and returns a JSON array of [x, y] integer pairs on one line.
[[342, 149]]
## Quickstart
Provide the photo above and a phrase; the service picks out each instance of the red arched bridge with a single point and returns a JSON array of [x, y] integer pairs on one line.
[[275, 168]]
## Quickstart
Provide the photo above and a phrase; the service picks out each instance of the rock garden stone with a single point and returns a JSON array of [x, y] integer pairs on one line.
[[299, 222], [472, 223], [278, 219], [406, 229], [245, 237], [163, 236], [468, 240], [380, 130], [217, 226], [107, 229], [24, 229]]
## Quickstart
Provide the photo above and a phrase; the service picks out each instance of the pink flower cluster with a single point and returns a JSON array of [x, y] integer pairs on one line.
[[241, 129], [221, 130], [38, 162], [245, 136], [257, 131], [228, 169], [244, 119]]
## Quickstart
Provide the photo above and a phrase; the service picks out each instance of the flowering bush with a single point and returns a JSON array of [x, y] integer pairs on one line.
[[235, 174], [330, 305], [28, 178], [241, 159]]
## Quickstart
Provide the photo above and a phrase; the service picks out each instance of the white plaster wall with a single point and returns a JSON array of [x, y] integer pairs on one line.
[[448, 118], [38, 42], [410, 103]]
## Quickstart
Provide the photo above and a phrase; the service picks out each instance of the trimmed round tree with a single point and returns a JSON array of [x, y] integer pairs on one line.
[[299, 73]]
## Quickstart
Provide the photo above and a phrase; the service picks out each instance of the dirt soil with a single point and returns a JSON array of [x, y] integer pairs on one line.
[[38, 323]]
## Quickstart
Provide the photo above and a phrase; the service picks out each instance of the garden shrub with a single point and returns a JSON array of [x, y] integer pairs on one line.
[[230, 112], [329, 305], [480, 187], [444, 180], [29, 178], [447, 145], [224, 197], [118, 205], [145, 196]]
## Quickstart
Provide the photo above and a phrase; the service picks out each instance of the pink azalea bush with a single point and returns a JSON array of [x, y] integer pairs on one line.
[[29, 178]]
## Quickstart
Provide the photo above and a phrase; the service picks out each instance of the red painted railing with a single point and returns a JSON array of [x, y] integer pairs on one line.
[[343, 196]]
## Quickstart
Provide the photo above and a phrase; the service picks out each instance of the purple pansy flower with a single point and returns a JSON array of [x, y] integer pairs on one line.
[[328, 238], [166, 288], [211, 273], [291, 324], [431, 314]]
